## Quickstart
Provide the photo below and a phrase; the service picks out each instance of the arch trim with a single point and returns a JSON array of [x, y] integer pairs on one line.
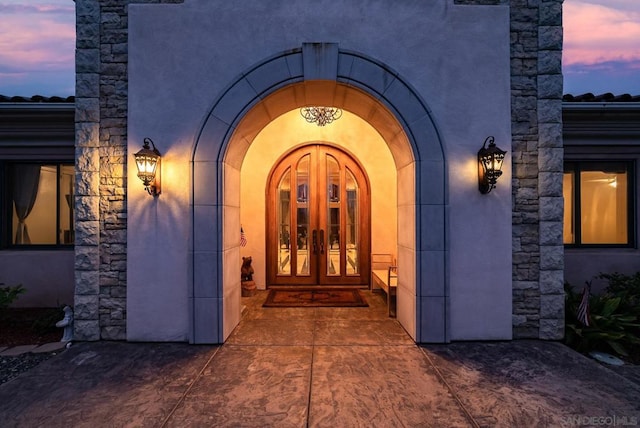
[[363, 86]]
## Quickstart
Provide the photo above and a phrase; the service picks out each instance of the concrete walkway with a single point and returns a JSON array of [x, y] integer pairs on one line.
[[14, 351], [304, 367]]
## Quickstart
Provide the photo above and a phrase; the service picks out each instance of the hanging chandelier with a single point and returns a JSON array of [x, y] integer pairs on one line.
[[320, 115]]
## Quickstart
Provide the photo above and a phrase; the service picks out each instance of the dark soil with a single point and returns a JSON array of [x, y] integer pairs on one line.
[[634, 356], [27, 326], [30, 326]]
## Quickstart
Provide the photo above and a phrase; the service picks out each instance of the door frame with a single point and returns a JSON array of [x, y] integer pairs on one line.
[[271, 232]]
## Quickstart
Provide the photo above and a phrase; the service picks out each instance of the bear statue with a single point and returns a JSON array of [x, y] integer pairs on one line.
[[246, 276], [246, 270]]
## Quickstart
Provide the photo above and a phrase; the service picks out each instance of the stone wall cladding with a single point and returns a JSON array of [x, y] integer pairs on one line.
[[101, 156], [537, 157], [87, 199], [101, 159]]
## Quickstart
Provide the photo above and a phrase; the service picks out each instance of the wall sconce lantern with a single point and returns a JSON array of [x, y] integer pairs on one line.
[[148, 163], [489, 165]]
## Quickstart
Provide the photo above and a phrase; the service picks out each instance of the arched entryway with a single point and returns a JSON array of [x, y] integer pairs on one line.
[[319, 74]]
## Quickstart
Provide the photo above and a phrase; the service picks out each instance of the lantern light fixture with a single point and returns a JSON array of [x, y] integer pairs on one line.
[[148, 163], [490, 160]]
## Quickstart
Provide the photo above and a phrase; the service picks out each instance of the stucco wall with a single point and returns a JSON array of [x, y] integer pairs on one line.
[[46, 276], [181, 57], [585, 265]]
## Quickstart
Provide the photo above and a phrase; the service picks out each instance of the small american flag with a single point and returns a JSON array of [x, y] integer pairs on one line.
[[583, 309], [243, 238]]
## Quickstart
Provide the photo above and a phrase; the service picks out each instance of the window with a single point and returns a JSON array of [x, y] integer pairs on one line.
[[598, 208], [39, 204]]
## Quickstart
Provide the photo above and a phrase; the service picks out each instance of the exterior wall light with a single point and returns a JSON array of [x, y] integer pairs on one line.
[[148, 162], [489, 165]]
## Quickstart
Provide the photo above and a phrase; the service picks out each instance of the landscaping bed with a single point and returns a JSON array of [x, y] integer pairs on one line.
[[610, 322], [29, 326]]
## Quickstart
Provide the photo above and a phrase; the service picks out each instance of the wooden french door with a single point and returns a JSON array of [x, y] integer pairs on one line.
[[318, 228]]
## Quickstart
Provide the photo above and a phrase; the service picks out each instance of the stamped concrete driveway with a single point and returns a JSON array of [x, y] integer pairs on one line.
[[319, 367]]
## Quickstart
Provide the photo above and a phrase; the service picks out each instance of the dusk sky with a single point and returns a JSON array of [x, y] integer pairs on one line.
[[601, 47]]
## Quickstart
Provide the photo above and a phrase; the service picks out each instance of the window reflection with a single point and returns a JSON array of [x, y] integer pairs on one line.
[[284, 224], [333, 216], [42, 204], [596, 203], [603, 205], [302, 217], [352, 225]]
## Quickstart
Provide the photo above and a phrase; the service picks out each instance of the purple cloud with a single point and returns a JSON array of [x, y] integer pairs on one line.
[[22, 9], [37, 48]]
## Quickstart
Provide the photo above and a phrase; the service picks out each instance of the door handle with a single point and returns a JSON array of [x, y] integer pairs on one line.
[[315, 241], [321, 241]]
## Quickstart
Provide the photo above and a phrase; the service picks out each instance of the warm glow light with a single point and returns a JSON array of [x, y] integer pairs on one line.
[[603, 208], [490, 160], [146, 168], [596, 212], [148, 164]]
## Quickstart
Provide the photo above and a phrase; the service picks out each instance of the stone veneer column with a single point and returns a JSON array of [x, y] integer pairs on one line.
[[87, 198], [113, 176], [551, 169], [536, 110]]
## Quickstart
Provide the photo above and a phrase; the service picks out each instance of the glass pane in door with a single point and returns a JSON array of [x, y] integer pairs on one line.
[[333, 217], [352, 225], [283, 215], [302, 217]]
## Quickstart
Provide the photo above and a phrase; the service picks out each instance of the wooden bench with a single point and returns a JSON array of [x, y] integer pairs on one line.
[[384, 276]]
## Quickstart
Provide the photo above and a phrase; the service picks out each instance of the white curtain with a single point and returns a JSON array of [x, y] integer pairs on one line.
[[25, 191]]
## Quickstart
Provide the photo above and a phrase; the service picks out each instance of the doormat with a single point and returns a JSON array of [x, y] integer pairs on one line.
[[314, 298]]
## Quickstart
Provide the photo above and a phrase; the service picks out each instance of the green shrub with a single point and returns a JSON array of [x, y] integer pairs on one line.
[[614, 318], [9, 294], [627, 287]]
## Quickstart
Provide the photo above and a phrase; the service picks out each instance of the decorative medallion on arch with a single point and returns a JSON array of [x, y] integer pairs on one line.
[[319, 74]]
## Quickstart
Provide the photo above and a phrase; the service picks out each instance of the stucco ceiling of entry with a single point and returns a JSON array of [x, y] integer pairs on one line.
[[327, 93]]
